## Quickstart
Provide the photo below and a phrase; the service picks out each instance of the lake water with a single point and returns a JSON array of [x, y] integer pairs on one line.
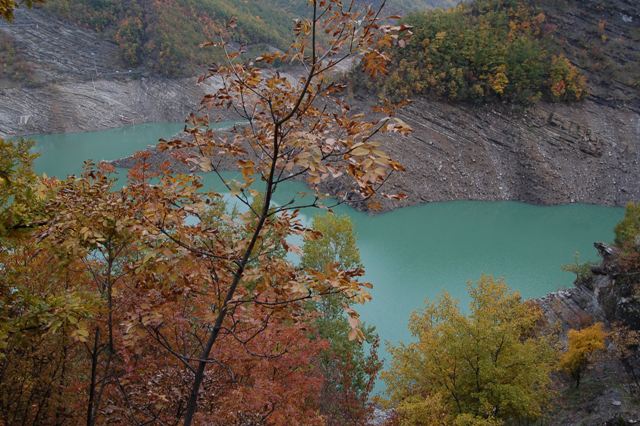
[[412, 253]]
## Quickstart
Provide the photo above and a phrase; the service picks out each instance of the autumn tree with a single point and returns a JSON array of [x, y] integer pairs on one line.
[[336, 243], [295, 129], [162, 302], [487, 367], [565, 80], [349, 371], [45, 306], [21, 191], [79, 337], [583, 345]]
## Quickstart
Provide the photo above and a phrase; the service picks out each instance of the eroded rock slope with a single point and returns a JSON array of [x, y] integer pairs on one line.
[[80, 83], [547, 153]]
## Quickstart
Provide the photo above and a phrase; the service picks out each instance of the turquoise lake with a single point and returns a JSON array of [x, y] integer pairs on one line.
[[412, 253]]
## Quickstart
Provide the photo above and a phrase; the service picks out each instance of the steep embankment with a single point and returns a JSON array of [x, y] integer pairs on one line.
[[550, 152], [609, 393], [79, 83], [547, 153]]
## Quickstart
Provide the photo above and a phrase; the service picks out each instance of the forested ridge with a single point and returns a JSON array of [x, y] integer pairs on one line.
[[164, 35]]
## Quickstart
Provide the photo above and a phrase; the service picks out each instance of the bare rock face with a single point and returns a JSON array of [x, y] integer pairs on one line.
[[95, 105], [545, 154], [80, 83], [574, 307], [607, 294]]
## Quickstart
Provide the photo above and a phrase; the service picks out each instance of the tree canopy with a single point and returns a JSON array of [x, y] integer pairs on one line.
[[351, 368], [485, 368], [583, 345], [157, 302], [481, 51]]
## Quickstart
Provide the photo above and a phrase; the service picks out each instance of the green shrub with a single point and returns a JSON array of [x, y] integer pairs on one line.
[[628, 230], [582, 270]]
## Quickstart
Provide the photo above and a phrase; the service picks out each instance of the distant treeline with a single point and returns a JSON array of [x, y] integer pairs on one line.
[[165, 35]]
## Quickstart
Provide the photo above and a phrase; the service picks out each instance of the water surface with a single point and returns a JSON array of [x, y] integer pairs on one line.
[[412, 253], [63, 154]]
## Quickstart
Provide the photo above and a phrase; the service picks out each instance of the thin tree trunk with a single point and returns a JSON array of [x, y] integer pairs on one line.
[[202, 363], [92, 385]]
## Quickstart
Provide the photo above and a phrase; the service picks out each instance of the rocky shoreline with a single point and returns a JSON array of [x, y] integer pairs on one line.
[[542, 154], [599, 295]]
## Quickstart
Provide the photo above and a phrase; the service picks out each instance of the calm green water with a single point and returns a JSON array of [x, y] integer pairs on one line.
[[63, 154], [413, 253]]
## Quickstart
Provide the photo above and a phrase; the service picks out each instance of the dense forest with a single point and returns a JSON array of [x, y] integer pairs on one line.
[[481, 51]]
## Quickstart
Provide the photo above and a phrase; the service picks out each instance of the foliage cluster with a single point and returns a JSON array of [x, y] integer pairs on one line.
[[21, 191], [91, 292], [583, 345], [349, 369], [582, 270], [155, 303], [628, 242], [485, 50], [165, 35], [628, 230], [485, 368], [13, 67]]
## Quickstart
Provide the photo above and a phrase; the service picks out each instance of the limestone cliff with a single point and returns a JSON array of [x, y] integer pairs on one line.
[[79, 83]]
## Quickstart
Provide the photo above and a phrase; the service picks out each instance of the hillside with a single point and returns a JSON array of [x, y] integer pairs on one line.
[[78, 82], [164, 36], [482, 51], [548, 152]]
